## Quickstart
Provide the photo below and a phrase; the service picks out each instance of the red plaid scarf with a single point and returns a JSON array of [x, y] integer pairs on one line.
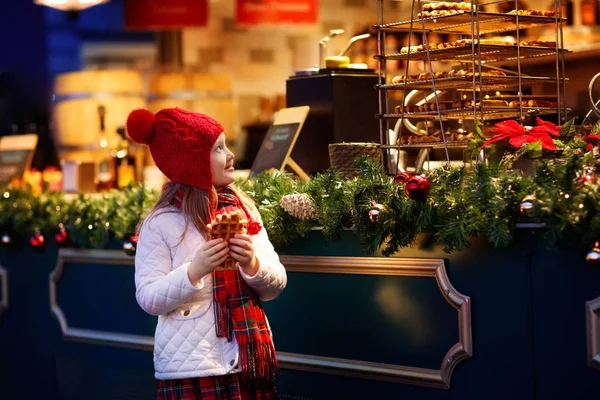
[[238, 310]]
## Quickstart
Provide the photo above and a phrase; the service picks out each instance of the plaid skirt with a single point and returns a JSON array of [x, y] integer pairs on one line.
[[227, 387]]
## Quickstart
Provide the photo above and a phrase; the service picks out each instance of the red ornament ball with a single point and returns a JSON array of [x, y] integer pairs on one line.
[[402, 177], [587, 177], [37, 241], [417, 188], [129, 245], [62, 237]]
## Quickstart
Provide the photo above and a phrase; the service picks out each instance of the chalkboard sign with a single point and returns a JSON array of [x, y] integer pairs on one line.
[[16, 153], [279, 141]]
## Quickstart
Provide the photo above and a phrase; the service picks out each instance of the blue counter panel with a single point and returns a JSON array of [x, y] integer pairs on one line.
[[102, 297], [397, 320]]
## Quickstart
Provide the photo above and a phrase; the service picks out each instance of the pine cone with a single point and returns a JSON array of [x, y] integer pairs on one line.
[[299, 205]]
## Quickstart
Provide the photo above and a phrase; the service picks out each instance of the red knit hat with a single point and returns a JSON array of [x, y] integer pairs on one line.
[[180, 142]]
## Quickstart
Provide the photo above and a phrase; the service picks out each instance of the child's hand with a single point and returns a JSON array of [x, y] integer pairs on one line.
[[242, 250], [209, 256]]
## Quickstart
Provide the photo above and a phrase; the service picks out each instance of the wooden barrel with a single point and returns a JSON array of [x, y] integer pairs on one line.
[[210, 94], [76, 121]]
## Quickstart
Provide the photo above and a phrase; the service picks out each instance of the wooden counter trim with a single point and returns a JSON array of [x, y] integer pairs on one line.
[[4, 284], [592, 317], [418, 267]]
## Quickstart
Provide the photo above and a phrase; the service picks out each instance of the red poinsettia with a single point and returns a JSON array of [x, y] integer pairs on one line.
[[592, 140], [517, 135], [546, 127]]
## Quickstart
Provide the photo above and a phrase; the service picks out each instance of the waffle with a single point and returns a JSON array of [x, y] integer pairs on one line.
[[224, 226]]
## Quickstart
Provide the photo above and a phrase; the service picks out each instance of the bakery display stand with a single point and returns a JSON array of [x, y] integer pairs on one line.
[[474, 88]]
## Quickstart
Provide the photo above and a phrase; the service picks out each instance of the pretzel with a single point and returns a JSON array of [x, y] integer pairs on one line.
[[225, 226]]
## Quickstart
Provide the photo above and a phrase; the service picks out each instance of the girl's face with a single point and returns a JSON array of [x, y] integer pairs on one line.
[[221, 159]]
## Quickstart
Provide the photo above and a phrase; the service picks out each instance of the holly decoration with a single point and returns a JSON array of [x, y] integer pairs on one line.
[[37, 241], [375, 210], [593, 257], [417, 188], [129, 245]]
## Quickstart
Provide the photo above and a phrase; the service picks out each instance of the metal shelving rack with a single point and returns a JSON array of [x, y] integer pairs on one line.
[[478, 55]]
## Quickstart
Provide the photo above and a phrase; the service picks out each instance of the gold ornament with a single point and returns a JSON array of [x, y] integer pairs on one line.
[[593, 257], [375, 210], [299, 205], [527, 204]]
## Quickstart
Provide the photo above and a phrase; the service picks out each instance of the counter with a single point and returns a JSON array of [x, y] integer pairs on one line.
[[521, 322]]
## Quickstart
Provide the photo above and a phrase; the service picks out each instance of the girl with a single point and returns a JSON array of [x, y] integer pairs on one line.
[[212, 339]]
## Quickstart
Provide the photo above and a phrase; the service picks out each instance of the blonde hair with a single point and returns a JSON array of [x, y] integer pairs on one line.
[[195, 205]]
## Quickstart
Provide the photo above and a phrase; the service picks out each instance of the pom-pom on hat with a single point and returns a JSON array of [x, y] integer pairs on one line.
[[180, 143]]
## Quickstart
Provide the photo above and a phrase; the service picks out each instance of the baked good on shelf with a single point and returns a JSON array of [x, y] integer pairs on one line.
[[402, 78], [537, 13], [423, 76], [469, 72], [411, 49], [435, 138], [409, 108], [493, 103], [225, 226], [438, 13], [458, 104], [533, 103], [447, 5], [498, 42], [538, 43]]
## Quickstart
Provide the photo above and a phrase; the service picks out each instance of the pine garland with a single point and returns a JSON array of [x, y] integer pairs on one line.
[[479, 200]]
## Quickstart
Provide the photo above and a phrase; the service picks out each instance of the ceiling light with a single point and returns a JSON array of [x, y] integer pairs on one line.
[[70, 5]]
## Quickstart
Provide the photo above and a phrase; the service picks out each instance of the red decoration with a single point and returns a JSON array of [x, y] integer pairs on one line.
[[253, 227], [592, 138], [517, 135], [37, 241], [269, 12], [129, 245], [417, 188], [163, 15], [62, 237], [402, 177], [587, 177]]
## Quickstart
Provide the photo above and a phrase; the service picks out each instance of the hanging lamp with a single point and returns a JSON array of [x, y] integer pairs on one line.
[[70, 5]]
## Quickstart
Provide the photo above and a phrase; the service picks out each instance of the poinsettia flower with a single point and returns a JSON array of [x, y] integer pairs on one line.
[[592, 138], [517, 135], [546, 127], [532, 137], [506, 130]]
